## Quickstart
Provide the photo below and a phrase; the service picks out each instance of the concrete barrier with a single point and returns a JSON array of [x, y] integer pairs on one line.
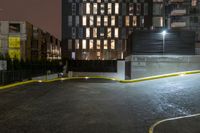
[[150, 65]]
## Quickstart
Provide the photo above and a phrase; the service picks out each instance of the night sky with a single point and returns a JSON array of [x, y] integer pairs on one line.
[[45, 14]]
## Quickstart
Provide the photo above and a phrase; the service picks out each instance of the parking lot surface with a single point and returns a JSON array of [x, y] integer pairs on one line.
[[97, 106]]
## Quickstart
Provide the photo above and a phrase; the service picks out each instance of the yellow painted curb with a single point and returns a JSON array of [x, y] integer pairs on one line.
[[83, 77], [161, 76], [106, 78], [152, 128], [17, 84]]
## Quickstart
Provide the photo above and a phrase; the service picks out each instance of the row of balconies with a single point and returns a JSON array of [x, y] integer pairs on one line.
[[176, 1]]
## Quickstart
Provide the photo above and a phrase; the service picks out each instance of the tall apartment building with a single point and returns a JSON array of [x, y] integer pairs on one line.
[[22, 40], [98, 29], [184, 15]]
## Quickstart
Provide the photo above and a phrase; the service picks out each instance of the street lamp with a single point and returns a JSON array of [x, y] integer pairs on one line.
[[164, 33]]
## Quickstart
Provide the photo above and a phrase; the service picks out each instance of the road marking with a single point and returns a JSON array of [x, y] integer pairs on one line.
[[151, 129], [106, 78], [161, 76], [17, 84]]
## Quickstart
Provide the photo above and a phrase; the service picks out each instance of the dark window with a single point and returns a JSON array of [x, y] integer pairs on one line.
[[14, 28], [51, 39], [194, 19]]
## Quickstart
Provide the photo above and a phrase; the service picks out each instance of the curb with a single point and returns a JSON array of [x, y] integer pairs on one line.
[[17, 84], [106, 78], [161, 76]]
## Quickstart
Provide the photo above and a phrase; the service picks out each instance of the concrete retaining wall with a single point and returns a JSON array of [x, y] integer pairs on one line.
[[150, 65]]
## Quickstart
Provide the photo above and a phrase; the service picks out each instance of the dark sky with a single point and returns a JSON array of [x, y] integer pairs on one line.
[[45, 14]]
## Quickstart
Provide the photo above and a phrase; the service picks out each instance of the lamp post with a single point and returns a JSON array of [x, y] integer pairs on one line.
[[164, 34]]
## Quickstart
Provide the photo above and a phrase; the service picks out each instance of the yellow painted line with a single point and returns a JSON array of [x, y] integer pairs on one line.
[[152, 128], [17, 84], [106, 78], [83, 77], [161, 76]]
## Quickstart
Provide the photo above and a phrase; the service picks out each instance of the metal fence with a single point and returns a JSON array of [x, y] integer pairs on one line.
[[92, 66], [7, 77]]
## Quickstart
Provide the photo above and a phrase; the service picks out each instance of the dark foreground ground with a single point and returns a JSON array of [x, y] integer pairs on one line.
[[97, 106]]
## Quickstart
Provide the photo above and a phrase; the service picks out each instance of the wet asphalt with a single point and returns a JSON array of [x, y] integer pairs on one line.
[[97, 106]]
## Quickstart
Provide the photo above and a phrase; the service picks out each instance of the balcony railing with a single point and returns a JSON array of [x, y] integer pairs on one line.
[[178, 24], [178, 12]]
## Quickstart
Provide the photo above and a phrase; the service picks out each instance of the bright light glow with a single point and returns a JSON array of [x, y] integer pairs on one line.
[[62, 79], [182, 74], [40, 81], [164, 32], [86, 77]]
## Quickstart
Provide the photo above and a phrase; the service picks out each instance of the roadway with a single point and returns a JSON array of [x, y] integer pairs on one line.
[[97, 106]]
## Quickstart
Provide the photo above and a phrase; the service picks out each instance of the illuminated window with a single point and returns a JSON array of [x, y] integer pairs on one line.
[[95, 8], [77, 44], [106, 21], [98, 44], [134, 21], [105, 44], [109, 8], [127, 20], [157, 21], [102, 11], [116, 8], [84, 44], [84, 19], [91, 46], [113, 20], [95, 32], [112, 44], [131, 9], [87, 8], [98, 54], [194, 3], [91, 20], [98, 20], [87, 32], [109, 33], [116, 32], [102, 32]]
